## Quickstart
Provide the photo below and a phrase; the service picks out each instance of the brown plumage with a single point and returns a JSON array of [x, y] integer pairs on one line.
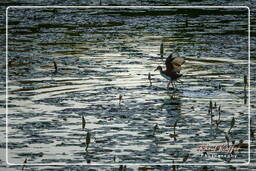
[[173, 67]]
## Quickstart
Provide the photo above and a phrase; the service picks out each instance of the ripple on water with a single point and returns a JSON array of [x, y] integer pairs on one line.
[[112, 56]]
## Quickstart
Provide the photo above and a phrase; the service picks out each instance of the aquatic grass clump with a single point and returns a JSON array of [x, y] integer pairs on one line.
[[252, 131], [173, 166], [205, 153], [83, 122], [210, 107], [174, 135], [232, 123], [245, 92], [245, 82], [122, 168], [155, 128], [219, 86], [149, 78], [218, 121], [87, 141], [162, 50], [210, 111], [55, 67], [120, 99], [211, 119], [185, 158], [24, 164]]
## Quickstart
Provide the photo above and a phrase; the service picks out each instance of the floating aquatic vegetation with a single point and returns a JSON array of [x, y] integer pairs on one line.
[[185, 158], [122, 168], [210, 111], [232, 123], [83, 123], [252, 131], [88, 161], [149, 78], [245, 82], [87, 141], [24, 164], [174, 135], [204, 168], [162, 50], [210, 107], [120, 99], [155, 128], [218, 121], [232, 167], [55, 67], [245, 92], [173, 166]]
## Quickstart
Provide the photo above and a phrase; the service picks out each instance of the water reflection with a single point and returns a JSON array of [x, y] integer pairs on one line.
[[102, 53]]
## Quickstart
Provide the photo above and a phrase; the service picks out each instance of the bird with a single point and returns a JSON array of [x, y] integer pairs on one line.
[[173, 67]]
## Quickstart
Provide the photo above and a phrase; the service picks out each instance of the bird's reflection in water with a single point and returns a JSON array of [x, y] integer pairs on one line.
[[173, 103]]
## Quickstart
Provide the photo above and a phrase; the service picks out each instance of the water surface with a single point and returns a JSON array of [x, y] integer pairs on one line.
[[104, 53]]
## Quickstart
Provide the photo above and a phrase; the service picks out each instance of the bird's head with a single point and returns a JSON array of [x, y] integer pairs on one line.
[[159, 68]]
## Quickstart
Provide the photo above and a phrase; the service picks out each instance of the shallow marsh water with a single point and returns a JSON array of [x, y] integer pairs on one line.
[[102, 53]]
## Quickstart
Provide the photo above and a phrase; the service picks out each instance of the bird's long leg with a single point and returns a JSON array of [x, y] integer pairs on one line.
[[173, 85], [168, 85]]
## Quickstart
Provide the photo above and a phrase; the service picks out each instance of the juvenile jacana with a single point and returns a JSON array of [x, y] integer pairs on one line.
[[173, 66]]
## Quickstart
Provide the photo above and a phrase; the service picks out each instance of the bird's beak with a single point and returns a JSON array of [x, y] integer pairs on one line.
[[156, 69]]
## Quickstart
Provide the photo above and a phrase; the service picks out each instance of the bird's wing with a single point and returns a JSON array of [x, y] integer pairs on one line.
[[177, 62], [175, 55], [173, 62], [169, 60]]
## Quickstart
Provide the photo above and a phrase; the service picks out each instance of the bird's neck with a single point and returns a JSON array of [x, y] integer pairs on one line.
[[161, 71]]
